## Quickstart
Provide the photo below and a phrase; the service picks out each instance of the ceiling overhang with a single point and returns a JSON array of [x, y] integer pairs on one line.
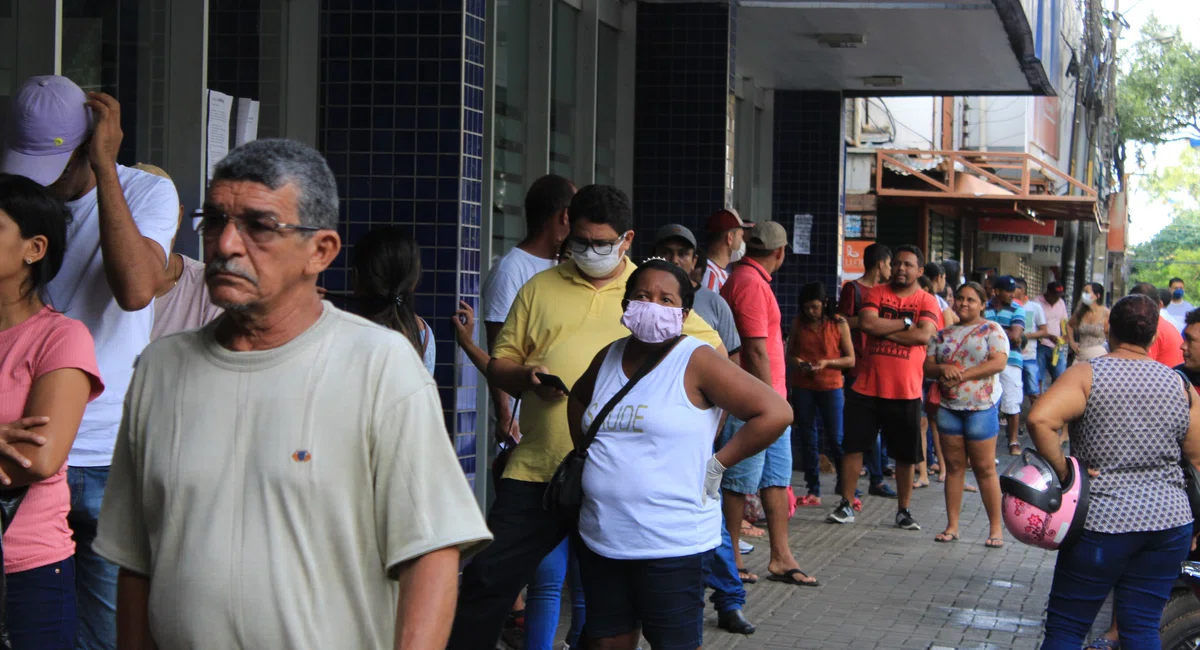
[[987, 183], [933, 47]]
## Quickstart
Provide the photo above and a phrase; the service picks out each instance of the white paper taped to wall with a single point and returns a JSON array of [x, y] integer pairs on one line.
[[219, 107], [246, 129]]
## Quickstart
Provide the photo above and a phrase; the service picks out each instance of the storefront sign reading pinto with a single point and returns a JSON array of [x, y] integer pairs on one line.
[[852, 259], [1047, 251], [1016, 226], [1000, 242]]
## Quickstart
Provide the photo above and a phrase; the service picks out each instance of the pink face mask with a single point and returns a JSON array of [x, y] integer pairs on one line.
[[651, 322]]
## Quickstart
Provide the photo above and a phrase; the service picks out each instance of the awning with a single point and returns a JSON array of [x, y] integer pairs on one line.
[[997, 184]]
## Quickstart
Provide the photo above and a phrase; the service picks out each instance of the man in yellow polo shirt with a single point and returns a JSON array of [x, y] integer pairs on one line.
[[560, 320]]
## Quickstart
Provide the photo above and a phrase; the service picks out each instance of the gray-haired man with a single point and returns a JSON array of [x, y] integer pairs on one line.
[[279, 468]]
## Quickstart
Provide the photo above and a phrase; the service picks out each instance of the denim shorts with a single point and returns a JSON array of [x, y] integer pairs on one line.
[[1032, 376], [771, 467], [665, 597], [973, 425]]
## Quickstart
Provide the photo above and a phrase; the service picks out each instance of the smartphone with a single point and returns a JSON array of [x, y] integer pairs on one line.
[[553, 381]]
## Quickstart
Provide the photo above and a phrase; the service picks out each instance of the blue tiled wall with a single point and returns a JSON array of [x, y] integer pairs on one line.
[[806, 179], [401, 123], [684, 82]]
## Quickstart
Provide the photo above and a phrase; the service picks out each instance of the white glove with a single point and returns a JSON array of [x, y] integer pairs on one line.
[[712, 480]]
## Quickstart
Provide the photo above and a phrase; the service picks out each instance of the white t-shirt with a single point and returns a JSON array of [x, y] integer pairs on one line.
[[1035, 317], [643, 486], [511, 273], [271, 495], [1179, 323], [1180, 309], [81, 291]]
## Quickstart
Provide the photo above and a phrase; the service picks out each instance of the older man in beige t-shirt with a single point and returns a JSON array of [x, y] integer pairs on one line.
[[283, 477]]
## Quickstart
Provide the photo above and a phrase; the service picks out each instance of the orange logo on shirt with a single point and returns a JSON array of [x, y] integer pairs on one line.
[[301, 456]]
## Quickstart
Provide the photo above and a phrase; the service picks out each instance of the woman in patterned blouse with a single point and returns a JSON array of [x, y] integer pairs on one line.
[[1131, 421]]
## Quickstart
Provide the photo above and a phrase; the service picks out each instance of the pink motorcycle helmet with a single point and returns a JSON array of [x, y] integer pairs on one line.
[[1038, 509]]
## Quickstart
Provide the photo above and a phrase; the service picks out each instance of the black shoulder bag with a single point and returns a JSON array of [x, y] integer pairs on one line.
[[1191, 478], [564, 495]]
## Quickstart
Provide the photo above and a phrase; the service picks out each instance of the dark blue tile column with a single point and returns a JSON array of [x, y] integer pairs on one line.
[[683, 114], [401, 123], [807, 179]]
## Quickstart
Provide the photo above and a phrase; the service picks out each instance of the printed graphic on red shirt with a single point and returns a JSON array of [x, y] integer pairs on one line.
[[891, 370]]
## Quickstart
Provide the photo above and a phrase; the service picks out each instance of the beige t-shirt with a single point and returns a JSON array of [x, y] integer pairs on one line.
[[187, 305], [269, 495]]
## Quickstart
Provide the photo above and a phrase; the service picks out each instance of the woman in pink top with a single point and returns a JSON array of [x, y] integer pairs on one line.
[[48, 374]]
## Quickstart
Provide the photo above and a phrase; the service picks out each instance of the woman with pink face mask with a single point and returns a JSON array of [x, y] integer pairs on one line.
[[651, 513]]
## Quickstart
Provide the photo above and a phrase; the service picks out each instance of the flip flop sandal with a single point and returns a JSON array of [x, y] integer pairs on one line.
[[1014, 449], [789, 577], [994, 542], [945, 538], [747, 577]]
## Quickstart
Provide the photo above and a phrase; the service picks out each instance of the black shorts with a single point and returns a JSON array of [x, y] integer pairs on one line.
[[664, 597], [897, 420]]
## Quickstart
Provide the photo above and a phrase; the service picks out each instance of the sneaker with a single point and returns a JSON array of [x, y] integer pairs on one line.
[[904, 519], [744, 548], [843, 514], [882, 490]]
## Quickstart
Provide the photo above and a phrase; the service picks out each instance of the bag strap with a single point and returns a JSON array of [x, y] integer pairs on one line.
[[649, 364]]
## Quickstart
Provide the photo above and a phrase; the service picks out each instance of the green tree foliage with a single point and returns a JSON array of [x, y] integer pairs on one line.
[[1174, 252], [1158, 97]]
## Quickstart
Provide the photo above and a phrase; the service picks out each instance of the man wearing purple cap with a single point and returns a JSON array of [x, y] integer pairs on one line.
[[123, 222]]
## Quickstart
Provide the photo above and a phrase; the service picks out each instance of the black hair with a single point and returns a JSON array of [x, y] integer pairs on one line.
[[1144, 289], [36, 212], [816, 291], [387, 265], [1174, 280], [977, 288], [602, 204], [933, 270], [1097, 289], [909, 248], [953, 272], [548, 196], [925, 283], [874, 254], [1192, 317], [687, 293], [1134, 320], [1164, 296], [1021, 284]]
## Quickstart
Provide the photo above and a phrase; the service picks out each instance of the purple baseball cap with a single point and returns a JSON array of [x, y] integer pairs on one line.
[[46, 123]]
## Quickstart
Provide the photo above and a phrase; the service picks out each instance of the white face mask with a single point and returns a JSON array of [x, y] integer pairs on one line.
[[595, 265], [738, 254], [1088, 298]]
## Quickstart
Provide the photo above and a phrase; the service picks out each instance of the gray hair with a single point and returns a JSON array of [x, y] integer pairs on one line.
[[277, 162]]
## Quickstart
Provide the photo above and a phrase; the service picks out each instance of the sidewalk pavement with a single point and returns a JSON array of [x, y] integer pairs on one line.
[[889, 588]]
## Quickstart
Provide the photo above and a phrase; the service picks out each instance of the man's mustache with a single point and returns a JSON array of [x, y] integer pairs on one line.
[[223, 265]]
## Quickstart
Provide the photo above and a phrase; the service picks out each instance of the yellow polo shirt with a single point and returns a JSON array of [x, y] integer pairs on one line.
[[560, 321]]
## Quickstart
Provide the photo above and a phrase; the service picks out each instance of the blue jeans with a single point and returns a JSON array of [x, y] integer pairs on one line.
[[807, 404], [1139, 568], [771, 467], [721, 575], [1048, 373], [543, 597], [95, 577], [41, 607]]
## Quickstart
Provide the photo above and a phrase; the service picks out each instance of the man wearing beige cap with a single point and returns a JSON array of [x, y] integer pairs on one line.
[[756, 313], [726, 245]]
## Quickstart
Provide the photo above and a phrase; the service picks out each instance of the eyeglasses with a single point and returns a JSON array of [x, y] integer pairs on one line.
[[601, 246], [262, 229]]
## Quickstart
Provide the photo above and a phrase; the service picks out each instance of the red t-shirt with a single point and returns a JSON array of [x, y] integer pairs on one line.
[[756, 314], [890, 370], [848, 305], [1168, 345]]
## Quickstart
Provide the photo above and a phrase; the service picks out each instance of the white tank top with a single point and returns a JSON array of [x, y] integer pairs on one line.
[[644, 478]]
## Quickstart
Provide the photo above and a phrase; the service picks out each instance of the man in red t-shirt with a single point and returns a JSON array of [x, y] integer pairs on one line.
[[877, 260], [768, 473], [898, 319]]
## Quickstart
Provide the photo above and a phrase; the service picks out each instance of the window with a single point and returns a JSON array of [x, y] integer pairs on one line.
[[511, 97], [606, 106], [562, 90]]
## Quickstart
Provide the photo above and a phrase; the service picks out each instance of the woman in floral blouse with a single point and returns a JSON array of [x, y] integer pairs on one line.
[[966, 360]]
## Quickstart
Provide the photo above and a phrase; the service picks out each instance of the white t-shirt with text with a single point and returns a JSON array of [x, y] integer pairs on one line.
[[81, 291], [1035, 317]]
